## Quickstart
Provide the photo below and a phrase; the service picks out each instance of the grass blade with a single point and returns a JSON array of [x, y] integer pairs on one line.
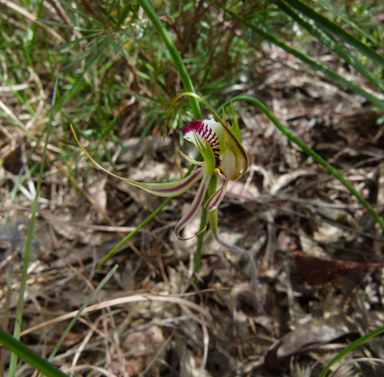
[[66, 26], [345, 18], [351, 347], [310, 152], [81, 82], [341, 33], [145, 4], [332, 44], [65, 45], [130, 235], [84, 15], [123, 14], [29, 356], [312, 62], [23, 280], [86, 303]]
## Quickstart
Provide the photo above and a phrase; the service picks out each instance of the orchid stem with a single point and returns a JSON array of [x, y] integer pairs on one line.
[[200, 239]]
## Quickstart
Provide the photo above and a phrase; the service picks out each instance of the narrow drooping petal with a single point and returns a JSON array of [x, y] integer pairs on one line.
[[192, 210], [214, 200], [167, 189]]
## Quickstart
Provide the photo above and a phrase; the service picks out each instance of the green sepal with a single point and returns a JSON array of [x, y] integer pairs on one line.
[[167, 189], [235, 125]]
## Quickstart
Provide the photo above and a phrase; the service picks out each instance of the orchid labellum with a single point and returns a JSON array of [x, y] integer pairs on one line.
[[224, 160]]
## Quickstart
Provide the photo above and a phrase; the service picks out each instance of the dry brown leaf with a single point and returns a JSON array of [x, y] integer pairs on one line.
[[318, 271]]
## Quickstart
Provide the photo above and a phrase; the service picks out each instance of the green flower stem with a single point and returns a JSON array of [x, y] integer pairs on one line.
[[29, 356], [212, 222], [200, 240], [310, 152], [351, 347]]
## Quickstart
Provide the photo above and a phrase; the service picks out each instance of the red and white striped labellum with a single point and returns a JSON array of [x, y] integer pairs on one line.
[[223, 154]]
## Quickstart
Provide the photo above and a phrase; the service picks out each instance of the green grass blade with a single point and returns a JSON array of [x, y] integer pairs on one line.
[[66, 26], [325, 4], [81, 82], [81, 14], [29, 356], [344, 35], [113, 3], [65, 156], [351, 347], [23, 280], [309, 151], [137, 229], [123, 14], [312, 62], [34, 28], [65, 45], [13, 193], [86, 303], [117, 48], [6, 312], [151, 119], [329, 42], [6, 113], [187, 82], [81, 57]]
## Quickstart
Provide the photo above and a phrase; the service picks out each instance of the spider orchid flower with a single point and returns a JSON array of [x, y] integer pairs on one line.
[[224, 160]]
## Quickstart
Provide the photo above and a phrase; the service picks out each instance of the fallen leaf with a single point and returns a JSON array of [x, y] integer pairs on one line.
[[317, 271]]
